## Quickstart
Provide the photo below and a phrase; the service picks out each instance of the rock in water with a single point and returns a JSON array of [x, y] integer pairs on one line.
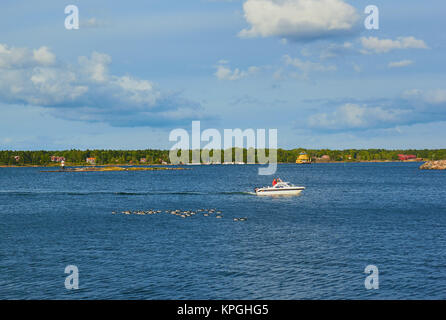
[[434, 165]]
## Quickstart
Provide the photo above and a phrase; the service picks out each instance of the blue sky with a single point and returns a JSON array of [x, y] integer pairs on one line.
[[135, 70]]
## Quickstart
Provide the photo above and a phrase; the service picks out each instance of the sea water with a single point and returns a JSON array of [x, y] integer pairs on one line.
[[312, 246]]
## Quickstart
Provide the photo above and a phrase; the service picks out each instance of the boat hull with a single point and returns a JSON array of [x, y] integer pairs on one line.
[[279, 192]]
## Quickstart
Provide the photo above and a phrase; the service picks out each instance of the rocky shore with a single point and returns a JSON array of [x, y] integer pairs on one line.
[[434, 165]]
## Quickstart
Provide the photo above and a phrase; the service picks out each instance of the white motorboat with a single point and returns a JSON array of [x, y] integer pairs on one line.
[[281, 188]]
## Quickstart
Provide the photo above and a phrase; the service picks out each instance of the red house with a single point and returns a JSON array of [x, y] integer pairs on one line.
[[404, 157]]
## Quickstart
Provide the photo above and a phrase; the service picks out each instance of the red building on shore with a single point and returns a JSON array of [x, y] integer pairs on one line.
[[405, 157]]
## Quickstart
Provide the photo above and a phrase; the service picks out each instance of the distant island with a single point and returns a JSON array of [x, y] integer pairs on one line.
[[43, 158]]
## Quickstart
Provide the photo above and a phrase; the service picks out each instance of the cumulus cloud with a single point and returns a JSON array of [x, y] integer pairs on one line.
[[86, 91], [44, 56], [95, 67], [400, 64], [376, 45], [11, 58], [299, 19], [224, 72]]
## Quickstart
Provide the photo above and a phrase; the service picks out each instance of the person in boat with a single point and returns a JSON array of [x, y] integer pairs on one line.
[[274, 182], [279, 180]]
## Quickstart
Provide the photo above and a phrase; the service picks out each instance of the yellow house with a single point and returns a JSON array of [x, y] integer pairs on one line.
[[303, 158]]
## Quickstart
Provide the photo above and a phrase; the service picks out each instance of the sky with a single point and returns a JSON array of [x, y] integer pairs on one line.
[[135, 70]]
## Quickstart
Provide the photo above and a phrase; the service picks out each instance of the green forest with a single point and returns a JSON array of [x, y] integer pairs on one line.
[[150, 156]]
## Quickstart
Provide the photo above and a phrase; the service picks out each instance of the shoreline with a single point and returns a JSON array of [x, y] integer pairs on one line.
[[112, 169], [173, 165], [84, 166]]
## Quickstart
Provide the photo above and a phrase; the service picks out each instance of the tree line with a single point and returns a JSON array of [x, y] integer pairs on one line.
[[151, 156]]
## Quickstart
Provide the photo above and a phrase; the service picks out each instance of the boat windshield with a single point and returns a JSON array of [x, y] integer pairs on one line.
[[282, 185]]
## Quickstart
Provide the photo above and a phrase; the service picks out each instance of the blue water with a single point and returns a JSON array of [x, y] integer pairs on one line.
[[314, 246]]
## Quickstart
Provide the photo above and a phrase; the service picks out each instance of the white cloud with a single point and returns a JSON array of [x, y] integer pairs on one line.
[[334, 50], [306, 67], [376, 45], [96, 67], [226, 73], [298, 19], [354, 116], [11, 57], [400, 64], [44, 56], [86, 91]]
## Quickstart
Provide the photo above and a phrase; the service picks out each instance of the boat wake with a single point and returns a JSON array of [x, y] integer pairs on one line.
[[119, 193]]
